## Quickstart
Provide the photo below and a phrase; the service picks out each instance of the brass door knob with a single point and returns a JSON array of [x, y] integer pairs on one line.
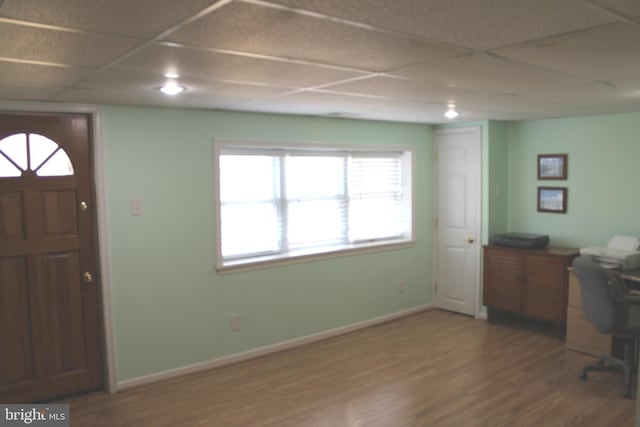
[[470, 239], [87, 277]]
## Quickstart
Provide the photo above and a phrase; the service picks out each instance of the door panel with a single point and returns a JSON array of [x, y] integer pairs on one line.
[[11, 214], [60, 212], [64, 313], [46, 244], [16, 361]]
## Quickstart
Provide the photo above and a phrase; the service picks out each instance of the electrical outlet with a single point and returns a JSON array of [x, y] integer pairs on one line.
[[235, 322], [136, 206], [400, 286]]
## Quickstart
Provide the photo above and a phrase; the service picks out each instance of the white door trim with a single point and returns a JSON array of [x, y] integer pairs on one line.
[[106, 308], [477, 131]]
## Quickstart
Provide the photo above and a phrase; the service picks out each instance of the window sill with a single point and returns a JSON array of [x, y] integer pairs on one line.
[[277, 261]]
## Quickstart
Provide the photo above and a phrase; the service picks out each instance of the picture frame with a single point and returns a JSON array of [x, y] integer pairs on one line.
[[552, 166], [552, 199]]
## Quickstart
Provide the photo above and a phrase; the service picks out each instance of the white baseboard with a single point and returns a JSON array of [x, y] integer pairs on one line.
[[262, 351], [481, 315]]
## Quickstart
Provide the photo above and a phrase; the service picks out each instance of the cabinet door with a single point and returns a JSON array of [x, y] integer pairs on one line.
[[545, 287], [503, 279]]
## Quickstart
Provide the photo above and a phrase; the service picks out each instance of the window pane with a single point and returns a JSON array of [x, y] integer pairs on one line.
[[7, 169], [58, 165], [316, 223], [370, 175], [40, 147], [248, 178], [15, 147], [314, 176], [250, 228], [375, 218]]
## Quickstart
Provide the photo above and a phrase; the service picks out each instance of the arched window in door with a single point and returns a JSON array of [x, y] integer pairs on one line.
[[34, 152]]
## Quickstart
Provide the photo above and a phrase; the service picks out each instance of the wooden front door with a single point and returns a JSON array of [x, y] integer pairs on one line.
[[50, 343]]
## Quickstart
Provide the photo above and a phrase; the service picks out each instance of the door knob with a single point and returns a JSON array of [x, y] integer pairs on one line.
[[471, 239], [87, 277]]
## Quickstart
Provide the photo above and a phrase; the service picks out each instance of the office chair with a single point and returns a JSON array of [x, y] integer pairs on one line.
[[611, 310]]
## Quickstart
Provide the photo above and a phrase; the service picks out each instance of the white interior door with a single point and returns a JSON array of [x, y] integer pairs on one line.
[[458, 219]]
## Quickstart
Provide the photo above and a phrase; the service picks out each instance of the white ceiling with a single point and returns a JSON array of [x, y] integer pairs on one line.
[[400, 60]]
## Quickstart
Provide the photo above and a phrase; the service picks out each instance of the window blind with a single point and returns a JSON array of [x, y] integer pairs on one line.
[[276, 203]]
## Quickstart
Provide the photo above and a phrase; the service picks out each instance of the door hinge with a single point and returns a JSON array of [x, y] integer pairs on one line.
[[436, 288], [436, 222]]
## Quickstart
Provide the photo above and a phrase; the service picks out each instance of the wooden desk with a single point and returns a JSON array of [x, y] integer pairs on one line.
[[582, 336]]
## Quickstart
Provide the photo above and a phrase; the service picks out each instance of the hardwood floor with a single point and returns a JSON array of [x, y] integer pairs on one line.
[[432, 369]]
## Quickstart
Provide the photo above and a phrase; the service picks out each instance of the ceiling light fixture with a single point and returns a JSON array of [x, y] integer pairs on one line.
[[451, 112], [172, 88], [171, 75]]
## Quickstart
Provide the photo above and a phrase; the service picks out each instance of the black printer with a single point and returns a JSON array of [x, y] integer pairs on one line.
[[520, 240]]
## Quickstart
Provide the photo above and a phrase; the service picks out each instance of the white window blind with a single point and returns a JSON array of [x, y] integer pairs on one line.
[[282, 202]]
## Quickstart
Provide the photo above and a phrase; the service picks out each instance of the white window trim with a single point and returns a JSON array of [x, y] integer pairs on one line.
[[277, 260]]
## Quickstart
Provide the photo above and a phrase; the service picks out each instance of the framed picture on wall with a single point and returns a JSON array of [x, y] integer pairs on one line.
[[552, 166], [552, 199]]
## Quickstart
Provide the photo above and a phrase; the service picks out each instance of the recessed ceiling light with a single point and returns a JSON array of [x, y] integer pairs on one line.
[[171, 75], [172, 88], [451, 112]]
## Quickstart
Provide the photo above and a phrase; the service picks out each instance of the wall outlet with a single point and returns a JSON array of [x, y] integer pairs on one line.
[[400, 286], [136, 206], [235, 322]]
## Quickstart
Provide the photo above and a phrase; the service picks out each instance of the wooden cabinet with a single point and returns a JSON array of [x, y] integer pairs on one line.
[[581, 334], [532, 282]]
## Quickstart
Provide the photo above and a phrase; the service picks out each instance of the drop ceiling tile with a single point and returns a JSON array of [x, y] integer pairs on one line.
[[27, 93], [627, 8], [519, 104], [23, 74], [221, 66], [623, 96], [137, 98], [143, 89], [400, 89], [285, 107], [61, 47], [336, 102], [267, 31], [481, 72], [420, 113], [606, 53], [473, 24], [138, 18]]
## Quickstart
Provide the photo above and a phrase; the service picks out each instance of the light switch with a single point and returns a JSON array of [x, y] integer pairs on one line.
[[136, 206]]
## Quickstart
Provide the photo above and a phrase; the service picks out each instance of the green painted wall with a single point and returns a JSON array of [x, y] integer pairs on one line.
[[603, 174], [496, 191], [171, 308]]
